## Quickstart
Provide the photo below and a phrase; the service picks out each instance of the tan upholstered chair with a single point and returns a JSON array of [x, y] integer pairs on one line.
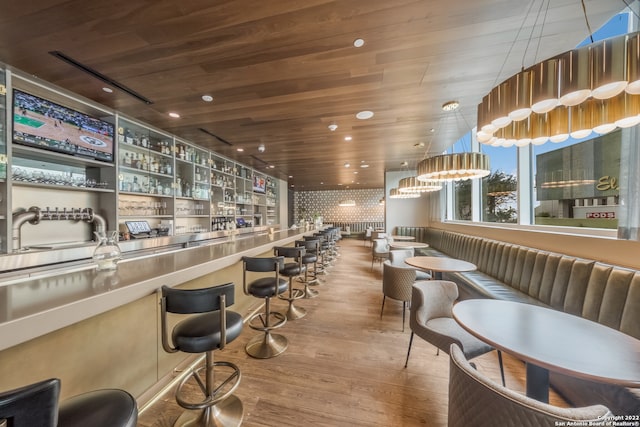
[[432, 320], [379, 251], [397, 257], [396, 284], [367, 235], [475, 400]]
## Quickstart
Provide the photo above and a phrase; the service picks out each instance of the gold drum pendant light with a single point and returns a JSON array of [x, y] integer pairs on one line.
[[454, 167], [594, 88], [558, 124], [575, 76], [609, 68], [413, 185], [544, 89], [581, 119], [394, 193], [520, 96], [633, 64]]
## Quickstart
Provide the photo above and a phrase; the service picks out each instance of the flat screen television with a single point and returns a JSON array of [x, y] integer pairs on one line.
[[43, 124], [259, 184]]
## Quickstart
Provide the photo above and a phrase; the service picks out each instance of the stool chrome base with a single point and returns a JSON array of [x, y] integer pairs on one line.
[[266, 346], [228, 413], [310, 293], [295, 313]]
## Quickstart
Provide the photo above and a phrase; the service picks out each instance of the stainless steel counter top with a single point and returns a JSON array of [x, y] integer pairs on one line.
[[36, 304]]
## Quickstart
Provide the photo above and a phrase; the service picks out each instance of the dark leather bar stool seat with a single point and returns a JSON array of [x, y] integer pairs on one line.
[[311, 256], [210, 328], [267, 344], [323, 263], [292, 270], [36, 405]]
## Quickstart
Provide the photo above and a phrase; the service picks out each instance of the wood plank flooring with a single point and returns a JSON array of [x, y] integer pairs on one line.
[[344, 365]]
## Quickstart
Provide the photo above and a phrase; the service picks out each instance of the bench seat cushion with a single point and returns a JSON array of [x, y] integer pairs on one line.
[[475, 284]]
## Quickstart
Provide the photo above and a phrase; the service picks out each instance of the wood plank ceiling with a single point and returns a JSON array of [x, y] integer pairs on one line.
[[282, 71]]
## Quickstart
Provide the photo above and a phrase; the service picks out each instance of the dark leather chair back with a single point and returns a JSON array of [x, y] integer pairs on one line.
[[31, 405]]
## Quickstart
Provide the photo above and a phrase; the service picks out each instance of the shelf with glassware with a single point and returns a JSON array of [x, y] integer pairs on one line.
[[32, 167], [146, 176], [223, 193], [145, 160], [244, 199], [192, 189]]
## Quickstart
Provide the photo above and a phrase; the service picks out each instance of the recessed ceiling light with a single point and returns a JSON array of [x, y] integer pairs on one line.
[[450, 106], [432, 130], [107, 89], [207, 98], [364, 115], [271, 167], [347, 164], [364, 165], [403, 164], [240, 150], [290, 176], [355, 172], [358, 42], [332, 127], [347, 138], [321, 183], [174, 115]]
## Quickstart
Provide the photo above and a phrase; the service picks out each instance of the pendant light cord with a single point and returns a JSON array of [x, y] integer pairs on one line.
[[526, 15], [533, 27], [584, 10]]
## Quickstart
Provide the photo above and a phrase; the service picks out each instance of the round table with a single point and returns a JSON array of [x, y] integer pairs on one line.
[[402, 238], [549, 339], [407, 245], [439, 264]]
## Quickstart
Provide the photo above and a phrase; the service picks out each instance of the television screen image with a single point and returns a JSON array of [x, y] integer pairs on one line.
[[259, 184], [40, 123]]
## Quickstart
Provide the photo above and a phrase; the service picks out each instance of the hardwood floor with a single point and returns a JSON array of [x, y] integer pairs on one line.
[[344, 365]]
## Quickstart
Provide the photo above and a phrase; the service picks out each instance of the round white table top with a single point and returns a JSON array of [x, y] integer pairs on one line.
[[407, 245], [553, 340], [437, 263], [403, 238]]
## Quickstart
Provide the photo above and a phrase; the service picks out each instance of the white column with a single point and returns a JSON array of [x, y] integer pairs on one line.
[[629, 211]]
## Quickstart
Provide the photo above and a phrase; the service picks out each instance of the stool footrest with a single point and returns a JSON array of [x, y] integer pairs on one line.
[[281, 320], [233, 379]]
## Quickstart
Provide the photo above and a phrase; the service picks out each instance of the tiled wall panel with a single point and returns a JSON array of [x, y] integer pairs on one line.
[[325, 203]]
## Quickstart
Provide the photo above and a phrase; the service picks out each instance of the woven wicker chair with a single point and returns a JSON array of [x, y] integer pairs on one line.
[[432, 320], [396, 284], [475, 400]]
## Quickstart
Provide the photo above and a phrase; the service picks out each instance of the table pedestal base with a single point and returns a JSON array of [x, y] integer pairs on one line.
[[537, 383]]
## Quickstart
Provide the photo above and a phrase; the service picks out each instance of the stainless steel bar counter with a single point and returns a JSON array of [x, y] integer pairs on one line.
[[37, 307]]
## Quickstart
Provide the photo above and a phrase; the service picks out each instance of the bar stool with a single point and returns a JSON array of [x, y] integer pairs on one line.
[[312, 250], [211, 328], [321, 267], [37, 405], [267, 344], [292, 270]]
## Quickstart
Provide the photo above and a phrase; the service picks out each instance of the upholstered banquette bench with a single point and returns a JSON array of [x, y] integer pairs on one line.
[[603, 293]]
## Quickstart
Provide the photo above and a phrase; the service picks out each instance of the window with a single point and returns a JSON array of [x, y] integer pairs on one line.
[[576, 182], [499, 189], [462, 201]]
